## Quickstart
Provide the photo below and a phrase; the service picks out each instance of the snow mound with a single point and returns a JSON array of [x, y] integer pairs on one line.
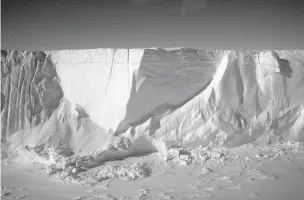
[[70, 172]]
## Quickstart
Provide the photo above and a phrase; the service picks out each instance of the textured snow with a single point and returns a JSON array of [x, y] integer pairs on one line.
[[114, 103]]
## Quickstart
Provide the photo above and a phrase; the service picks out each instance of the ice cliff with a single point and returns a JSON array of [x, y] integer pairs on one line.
[[83, 101]]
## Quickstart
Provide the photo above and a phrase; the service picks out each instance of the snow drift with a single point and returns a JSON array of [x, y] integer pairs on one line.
[[141, 100]]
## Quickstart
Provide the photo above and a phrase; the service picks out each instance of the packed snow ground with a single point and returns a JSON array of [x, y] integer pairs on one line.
[[245, 172]]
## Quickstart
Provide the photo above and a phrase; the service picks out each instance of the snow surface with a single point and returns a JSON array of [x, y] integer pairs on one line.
[[244, 172], [85, 113]]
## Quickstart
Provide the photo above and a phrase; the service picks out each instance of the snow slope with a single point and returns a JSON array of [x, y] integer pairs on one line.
[[82, 102]]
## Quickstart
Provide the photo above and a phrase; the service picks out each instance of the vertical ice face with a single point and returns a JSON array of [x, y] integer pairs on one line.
[[247, 92], [68, 98], [99, 81], [30, 90], [188, 96]]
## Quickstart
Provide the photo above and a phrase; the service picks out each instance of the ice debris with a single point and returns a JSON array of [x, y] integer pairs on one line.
[[194, 156]]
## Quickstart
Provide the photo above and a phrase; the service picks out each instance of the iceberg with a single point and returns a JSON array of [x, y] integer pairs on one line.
[[89, 101]]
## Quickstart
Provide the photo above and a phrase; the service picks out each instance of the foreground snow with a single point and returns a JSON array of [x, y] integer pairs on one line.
[[245, 172]]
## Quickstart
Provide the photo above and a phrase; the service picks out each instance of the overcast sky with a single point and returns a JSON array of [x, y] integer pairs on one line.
[[75, 24]]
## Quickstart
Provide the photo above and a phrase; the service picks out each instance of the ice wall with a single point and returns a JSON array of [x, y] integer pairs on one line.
[[253, 97], [87, 100], [99, 81], [30, 90], [169, 78], [70, 99]]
